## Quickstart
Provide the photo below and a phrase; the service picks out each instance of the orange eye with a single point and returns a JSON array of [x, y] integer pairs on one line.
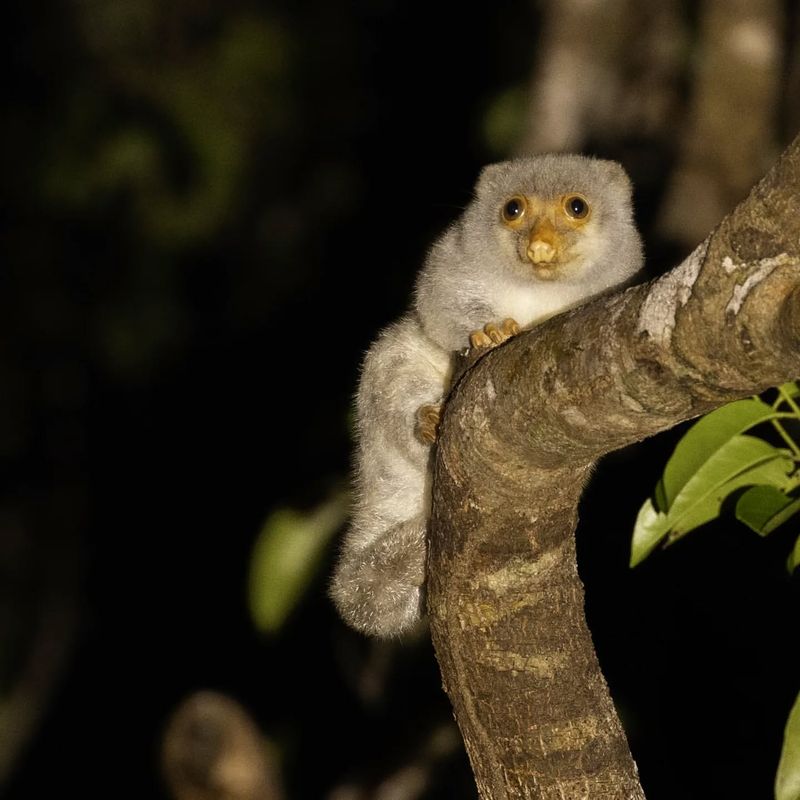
[[514, 208], [576, 206]]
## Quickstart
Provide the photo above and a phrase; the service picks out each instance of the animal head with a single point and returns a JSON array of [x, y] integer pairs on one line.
[[551, 218]]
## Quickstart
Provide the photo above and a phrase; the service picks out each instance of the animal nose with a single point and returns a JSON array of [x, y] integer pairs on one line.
[[542, 241]]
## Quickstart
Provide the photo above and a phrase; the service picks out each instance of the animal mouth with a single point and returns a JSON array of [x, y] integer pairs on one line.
[[547, 272]]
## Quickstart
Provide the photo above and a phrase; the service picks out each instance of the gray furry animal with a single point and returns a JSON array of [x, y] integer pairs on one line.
[[542, 235]]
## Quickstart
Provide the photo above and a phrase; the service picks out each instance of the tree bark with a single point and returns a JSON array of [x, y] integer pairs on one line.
[[519, 435]]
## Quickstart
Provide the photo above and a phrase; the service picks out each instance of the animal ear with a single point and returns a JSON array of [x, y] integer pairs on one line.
[[488, 177], [617, 173]]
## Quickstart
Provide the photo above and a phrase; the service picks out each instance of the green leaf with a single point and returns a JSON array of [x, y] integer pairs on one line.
[[286, 557], [794, 556], [787, 779], [791, 389], [740, 461], [707, 436], [659, 497], [764, 508], [650, 528]]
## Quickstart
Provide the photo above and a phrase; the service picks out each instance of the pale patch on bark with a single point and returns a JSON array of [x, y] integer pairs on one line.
[[729, 265], [544, 667], [631, 403], [518, 572], [616, 304], [673, 290], [576, 417], [562, 736], [514, 583], [765, 268]]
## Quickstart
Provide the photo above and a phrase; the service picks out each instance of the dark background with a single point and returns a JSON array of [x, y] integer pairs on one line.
[[209, 211]]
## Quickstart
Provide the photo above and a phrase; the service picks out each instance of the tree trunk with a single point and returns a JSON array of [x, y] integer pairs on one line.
[[730, 136], [519, 435]]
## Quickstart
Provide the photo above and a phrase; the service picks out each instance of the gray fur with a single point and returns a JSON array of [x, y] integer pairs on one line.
[[474, 274]]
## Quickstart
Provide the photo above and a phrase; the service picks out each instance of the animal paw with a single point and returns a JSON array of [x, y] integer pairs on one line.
[[427, 428], [493, 334]]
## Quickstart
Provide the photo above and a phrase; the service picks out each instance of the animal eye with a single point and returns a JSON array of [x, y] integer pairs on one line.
[[576, 207], [514, 208]]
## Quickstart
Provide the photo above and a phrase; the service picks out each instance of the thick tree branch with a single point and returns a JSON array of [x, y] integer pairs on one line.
[[519, 435]]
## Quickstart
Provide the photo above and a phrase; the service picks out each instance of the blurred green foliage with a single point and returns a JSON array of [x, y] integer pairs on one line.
[[180, 153], [163, 113], [287, 556], [504, 121]]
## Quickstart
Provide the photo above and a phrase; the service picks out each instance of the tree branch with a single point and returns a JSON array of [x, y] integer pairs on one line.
[[520, 432]]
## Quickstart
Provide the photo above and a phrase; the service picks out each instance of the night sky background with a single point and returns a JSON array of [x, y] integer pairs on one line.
[[209, 210]]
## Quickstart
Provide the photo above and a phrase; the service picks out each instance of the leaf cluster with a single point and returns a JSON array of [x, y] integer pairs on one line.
[[718, 462]]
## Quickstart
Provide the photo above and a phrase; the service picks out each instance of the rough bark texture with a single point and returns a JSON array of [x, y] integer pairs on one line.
[[519, 434]]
